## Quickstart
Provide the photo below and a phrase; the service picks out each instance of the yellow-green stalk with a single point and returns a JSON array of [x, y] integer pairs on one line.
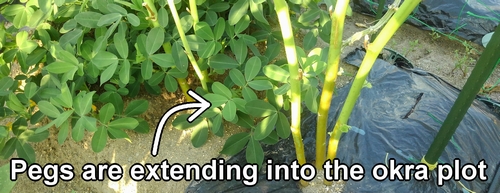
[[338, 18], [281, 8], [372, 51]]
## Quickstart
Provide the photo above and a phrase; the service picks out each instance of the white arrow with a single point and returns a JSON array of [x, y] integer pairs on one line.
[[201, 105]]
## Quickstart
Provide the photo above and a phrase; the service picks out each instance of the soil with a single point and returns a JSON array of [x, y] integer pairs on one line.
[[436, 55]]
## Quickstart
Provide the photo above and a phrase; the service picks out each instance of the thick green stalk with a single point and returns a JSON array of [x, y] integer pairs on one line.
[[372, 51], [190, 55], [194, 11], [338, 18], [485, 65], [281, 8]]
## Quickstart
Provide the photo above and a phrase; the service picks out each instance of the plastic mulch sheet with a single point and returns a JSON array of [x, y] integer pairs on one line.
[[384, 126], [469, 19]]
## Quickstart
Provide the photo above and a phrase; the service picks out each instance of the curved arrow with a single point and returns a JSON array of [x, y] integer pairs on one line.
[[201, 105]]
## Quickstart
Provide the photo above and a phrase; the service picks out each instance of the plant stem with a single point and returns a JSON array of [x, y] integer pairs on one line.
[[190, 55], [338, 18], [281, 8], [194, 11], [485, 65], [372, 51]]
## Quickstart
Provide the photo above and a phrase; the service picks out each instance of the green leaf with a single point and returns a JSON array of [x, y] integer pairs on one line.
[[9, 148], [88, 19], [219, 6], [30, 136], [48, 109], [124, 73], [118, 134], [21, 19], [248, 94], [65, 99], [99, 139], [154, 40], [59, 67], [254, 152], [25, 151], [124, 123], [222, 62], [283, 126], [163, 17], [7, 184], [257, 11], [170, 83], [121, 45], [252, 68], [180, 57], [206, 50], [24, 44], [310, 40], [216, 99], [143, 126], [89, 123], [221, 89], [78, 130], [271, 139], [133, 19], [147, 69], [211, 17], [310, 15], [260, 108], [181, 123], [272, 50], [12, 10], [260, 85], [108, 73], [63, 117], [238, 10], [136, 107], [83, 103], [216, 123], [103, 59], [117, 9], [29, 90], [242, 24], [239, 49], [106, 113], [3, 132], [63, 133], [237, 77], [235, 143], [36, 56], [264, 128], [276, 73], [219, 28], [229, 111], [70, 37], [37, 137], [282, 89], [199, 135], [163, 60], [203, 30], [5, 84], [311, 99]]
